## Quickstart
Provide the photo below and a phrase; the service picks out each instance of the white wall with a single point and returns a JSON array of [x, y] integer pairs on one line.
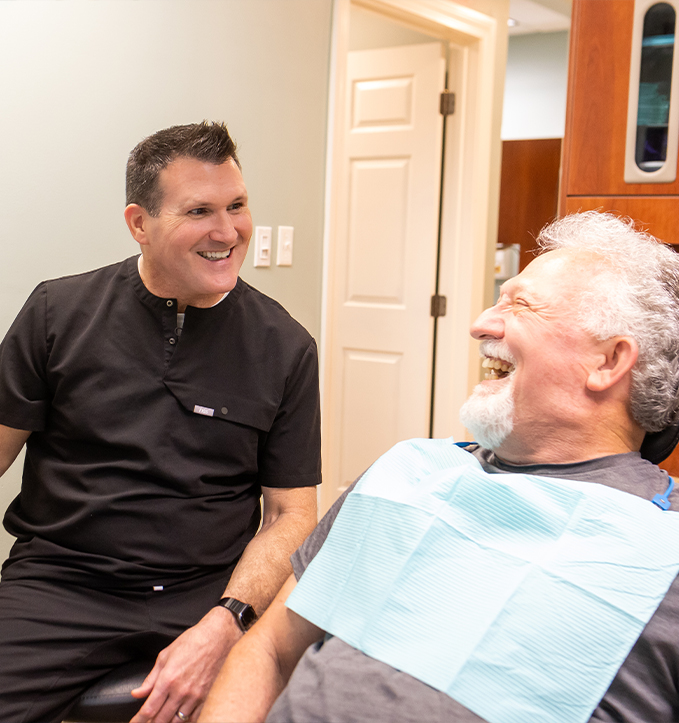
[[81, 82], [536, 86]]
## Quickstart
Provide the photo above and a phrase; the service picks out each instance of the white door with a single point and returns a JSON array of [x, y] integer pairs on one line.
[[384, 265]]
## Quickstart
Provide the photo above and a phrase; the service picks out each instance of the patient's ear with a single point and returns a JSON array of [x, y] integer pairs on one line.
[[620, 355]]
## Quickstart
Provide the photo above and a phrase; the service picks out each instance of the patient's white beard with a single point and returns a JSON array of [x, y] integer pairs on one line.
[[489, 414]]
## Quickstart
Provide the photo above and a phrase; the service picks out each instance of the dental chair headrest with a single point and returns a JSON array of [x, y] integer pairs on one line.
[[657, 446]]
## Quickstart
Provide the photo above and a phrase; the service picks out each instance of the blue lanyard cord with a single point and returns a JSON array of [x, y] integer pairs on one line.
[[661, 500]]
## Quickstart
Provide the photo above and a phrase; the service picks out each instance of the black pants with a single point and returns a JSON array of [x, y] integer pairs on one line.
[[56, 639]]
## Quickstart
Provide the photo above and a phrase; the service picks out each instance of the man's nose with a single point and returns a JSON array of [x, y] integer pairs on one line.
[[224, 229], [489, 325]]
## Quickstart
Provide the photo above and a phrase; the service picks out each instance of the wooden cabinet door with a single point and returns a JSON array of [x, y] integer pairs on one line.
[[596, 116]]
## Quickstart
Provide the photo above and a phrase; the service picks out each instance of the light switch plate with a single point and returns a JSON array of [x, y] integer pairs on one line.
[[262, 245], [284, 254]]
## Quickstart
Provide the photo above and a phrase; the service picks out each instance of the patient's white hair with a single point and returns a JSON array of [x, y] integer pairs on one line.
[[636, 294]]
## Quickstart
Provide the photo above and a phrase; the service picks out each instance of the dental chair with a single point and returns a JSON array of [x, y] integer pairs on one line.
[[109, 700]]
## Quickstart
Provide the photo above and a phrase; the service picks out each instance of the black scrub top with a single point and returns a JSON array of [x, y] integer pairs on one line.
[[149, 447]]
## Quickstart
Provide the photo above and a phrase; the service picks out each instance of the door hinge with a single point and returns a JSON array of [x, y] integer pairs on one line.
[[438, 305], [447, 106]]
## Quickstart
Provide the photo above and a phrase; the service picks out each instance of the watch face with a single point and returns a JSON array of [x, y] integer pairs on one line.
[[248, 616], [245, 614]]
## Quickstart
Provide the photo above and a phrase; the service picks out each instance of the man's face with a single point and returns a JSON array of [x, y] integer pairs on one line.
[[194, 249], [544, 357]]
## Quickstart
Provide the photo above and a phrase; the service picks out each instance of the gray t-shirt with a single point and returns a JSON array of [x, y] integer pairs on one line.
[[334, 682]]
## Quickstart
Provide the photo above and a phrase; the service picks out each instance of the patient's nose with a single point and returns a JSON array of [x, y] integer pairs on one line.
[[488, 325]]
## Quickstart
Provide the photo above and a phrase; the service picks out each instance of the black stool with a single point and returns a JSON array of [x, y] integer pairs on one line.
[[109, 699]]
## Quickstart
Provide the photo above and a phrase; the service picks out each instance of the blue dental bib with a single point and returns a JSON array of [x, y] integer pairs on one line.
[[519, 596]]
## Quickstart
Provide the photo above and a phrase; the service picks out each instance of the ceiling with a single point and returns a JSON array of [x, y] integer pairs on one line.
[[539, 16]]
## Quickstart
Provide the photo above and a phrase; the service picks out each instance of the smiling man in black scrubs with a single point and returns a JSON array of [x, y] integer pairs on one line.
[[158, 399]]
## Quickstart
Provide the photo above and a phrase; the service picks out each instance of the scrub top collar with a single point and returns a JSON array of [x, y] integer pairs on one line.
[[160, 304]]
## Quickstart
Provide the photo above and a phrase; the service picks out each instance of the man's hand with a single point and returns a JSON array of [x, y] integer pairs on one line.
[[185, 670]]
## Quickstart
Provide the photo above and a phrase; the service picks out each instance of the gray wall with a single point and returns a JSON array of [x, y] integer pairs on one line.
[[83, 81], [536, 86]]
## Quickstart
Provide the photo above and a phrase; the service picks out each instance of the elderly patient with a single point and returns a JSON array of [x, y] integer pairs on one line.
[[542, 583]]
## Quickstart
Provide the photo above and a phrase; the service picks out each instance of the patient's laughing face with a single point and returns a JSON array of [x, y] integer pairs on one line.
[[533, 350]]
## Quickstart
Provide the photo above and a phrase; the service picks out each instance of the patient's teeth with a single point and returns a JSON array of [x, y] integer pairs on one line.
[[496, 364]]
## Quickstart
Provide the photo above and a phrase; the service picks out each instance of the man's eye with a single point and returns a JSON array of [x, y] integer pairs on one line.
[[236, 206], [197, 212]]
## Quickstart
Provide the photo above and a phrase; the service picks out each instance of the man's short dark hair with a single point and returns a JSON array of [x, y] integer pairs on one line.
[[207, 141]]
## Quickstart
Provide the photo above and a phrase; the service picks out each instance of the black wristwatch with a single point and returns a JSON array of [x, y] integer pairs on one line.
[[245, 614]]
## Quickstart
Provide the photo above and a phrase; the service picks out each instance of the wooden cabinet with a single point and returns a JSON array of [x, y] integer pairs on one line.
[[529, 192], [596, 123]]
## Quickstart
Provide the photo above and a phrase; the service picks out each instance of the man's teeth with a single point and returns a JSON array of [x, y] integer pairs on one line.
[[215, 255], [489, 363], [494, 366]]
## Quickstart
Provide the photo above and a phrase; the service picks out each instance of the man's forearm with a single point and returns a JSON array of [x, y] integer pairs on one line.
[[265, 563], [260, 665], [247, 685]]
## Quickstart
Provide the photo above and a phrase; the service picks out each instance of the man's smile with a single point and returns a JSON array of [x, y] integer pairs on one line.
[[497, 368], [215, 255]]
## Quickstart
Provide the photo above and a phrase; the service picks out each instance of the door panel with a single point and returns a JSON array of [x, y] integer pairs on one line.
[[377, 231], [369, 376]]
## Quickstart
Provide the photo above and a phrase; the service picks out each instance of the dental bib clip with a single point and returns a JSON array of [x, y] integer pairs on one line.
[[661, 500]]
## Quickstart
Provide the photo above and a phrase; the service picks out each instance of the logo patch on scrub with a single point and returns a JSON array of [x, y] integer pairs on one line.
[[205, 411]]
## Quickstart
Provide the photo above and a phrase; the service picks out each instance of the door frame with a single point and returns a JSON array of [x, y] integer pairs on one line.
[[476, 34]]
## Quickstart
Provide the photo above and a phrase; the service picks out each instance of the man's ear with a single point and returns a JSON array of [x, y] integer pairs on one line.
[[136, 218], [620, 355]]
